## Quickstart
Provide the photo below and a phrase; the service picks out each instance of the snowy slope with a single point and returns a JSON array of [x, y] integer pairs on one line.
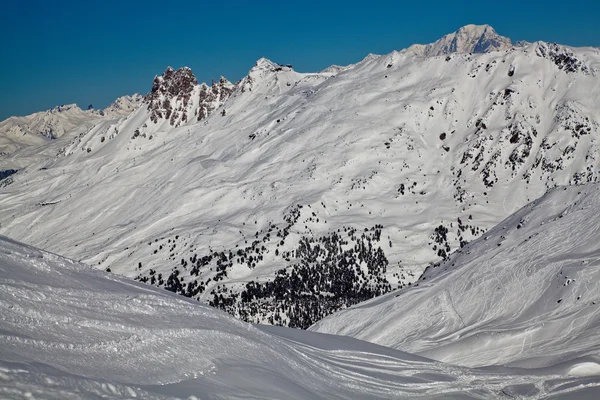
[[526, 294], [71, 332], [289, 195]]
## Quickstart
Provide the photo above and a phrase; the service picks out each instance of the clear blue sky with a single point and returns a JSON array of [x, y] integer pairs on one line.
[[58, 52]]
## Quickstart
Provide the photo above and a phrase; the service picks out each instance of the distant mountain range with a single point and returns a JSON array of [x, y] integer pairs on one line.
[[37, 128], [468, 39], [55, 122]]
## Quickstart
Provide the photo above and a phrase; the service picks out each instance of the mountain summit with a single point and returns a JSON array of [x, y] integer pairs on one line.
[[176, 94], [468, 39]]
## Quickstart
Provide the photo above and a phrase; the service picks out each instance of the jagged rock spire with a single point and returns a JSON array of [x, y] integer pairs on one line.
[[176, 95]]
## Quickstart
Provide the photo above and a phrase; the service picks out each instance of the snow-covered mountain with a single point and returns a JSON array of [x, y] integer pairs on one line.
[[334, 69], [526, 294], [123, 105], [71, 332], [36, 129], [290, 195], [468, 39]]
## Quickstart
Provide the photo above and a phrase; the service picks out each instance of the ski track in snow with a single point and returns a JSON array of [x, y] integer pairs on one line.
[[70, 332], [525, 295]]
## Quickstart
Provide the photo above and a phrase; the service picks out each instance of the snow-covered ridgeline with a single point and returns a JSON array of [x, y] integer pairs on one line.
[[337, 186]]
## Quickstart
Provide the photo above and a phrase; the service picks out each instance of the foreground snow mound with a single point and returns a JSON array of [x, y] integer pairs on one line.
[[526, 294], [69, 332]]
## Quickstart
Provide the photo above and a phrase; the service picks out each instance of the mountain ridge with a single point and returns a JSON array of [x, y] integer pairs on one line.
[[339, 187]]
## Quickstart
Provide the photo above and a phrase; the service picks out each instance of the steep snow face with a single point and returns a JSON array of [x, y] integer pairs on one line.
[[468, 39], [305, 193], [526, 294], [72, 332]]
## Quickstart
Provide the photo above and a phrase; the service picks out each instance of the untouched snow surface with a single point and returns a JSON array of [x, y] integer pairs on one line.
[[340, 186], [70, 332], [526, 294]]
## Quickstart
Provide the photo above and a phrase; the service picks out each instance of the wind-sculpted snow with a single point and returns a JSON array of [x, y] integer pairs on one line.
[[525, 294], [279, 177], [70, 332]]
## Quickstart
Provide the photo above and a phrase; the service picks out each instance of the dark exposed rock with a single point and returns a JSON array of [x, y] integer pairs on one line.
[[172, 85], [210, 98], [561, 57]]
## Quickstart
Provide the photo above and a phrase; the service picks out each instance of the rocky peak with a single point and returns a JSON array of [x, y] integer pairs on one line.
[[222, 85], [173, 83], [176, 94], [468, 39], [211, 98], [171, 87]]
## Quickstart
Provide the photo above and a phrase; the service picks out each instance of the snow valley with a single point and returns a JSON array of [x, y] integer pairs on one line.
[[69, 331]]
